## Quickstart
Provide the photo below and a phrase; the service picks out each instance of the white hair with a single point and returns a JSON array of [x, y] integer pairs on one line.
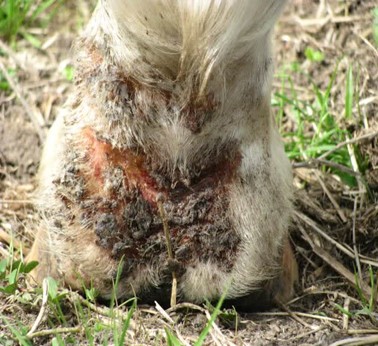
[[185, 41], [185, 84]]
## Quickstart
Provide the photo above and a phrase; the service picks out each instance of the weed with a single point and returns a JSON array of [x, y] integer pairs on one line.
[[97, 331], [316, 129], [375, 26], [314, 55], [172, 340], [68, 73], [19, 333], [11, 271], [120, 338], [209, 325], [17, 16], [368, 304], [4, 85]]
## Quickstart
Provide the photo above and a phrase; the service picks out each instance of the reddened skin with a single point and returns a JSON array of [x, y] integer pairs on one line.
[[169, 126]]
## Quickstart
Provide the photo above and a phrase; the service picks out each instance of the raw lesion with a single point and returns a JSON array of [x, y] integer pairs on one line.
[[112, 193]]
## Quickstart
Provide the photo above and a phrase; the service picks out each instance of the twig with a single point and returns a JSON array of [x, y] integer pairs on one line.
[[185, 306], [7, 238], [217, 334], [356, 254], [311, 291], [314, 163], [320, 22], [354, 163], [375, 51], [362, 331], [170, 320], [302, 335], [163, 312], [330, 197], [350, 141], [171, 255], [45, 287], [335, 264], [9, 51], [104, 311], [346, 316], [295, 316], [302, 314], [360, 341], [28, 109], [63, 330], [16, 201], [324, 235]]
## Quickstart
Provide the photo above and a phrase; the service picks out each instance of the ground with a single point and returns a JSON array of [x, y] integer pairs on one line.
[[326, 102]]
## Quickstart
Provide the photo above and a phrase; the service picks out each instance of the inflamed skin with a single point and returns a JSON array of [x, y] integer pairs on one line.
[[170, 109]]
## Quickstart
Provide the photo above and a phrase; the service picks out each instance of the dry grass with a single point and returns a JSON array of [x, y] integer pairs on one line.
[[335, 230]]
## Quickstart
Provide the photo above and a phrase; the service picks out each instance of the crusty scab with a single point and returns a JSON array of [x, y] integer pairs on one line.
[[171, 127], [117, 191]]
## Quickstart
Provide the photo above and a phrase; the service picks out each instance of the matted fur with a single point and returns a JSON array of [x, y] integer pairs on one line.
[[184, 87], [186, 40]]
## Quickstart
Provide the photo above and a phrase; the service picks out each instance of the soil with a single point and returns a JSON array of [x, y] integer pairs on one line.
[[342, 31], [22, 160]]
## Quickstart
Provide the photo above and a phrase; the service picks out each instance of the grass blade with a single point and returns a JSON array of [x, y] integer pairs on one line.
[[171, 339], [349, 93], [209, 324], [20, 338], [126, 323]]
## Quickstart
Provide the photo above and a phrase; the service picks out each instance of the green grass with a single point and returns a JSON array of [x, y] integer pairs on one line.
[[311, 126], [315, 127], [367, 304], [172, 340], [4, 85], [375, 26], [68, 315], [18, 16], [12, 270]]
